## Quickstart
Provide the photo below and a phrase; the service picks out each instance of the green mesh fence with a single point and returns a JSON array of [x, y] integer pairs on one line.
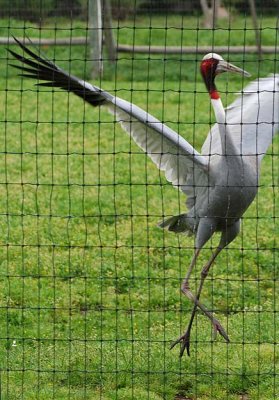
[[90, 299]]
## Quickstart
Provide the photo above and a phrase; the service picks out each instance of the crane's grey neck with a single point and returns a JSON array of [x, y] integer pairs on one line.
[[228, 148]]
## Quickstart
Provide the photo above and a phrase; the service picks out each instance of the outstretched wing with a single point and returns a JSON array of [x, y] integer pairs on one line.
[[168, 150], [252, 119]]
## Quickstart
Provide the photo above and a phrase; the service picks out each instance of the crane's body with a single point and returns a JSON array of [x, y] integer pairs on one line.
[[229, 187], [220, 182], [223, 197]]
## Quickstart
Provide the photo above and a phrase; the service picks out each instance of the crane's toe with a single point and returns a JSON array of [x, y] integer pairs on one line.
[[185, 343], [184, 340], [219, 329]]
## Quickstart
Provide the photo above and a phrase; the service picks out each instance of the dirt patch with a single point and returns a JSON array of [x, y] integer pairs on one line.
[[182, 397], [244, 396]]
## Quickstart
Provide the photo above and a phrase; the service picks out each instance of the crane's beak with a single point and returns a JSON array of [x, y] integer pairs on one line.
[[224, 66]]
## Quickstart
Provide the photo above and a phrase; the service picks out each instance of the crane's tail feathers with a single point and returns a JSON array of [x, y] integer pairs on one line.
[[178, 224], [40, 68]]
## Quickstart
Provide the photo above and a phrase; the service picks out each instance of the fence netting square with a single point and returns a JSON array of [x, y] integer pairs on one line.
[[90, 299]]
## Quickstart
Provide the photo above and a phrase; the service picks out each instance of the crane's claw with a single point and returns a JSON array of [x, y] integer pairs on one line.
[[185, 338], [218, 328], [185, 343]]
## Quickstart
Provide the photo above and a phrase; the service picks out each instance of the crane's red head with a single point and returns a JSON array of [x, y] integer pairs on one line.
[[212, 65]]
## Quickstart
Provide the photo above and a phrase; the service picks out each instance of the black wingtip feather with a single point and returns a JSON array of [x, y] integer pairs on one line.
[[43, 69], [43, 60]]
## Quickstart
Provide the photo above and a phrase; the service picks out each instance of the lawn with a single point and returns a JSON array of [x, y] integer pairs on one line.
[[90, 298]]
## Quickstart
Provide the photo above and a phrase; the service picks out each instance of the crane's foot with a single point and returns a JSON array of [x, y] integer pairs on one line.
[[184, 340], [185, 343]]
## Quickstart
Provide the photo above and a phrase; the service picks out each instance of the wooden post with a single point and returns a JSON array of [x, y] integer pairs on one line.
[[108, 31], [206, 14], [215, 12], [256, 28], [210, 13], [95, 37]]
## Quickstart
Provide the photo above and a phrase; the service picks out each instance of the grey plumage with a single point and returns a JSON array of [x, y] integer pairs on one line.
[[220, 182]]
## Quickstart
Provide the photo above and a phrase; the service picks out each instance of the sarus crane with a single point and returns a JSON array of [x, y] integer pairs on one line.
[[220, 182]]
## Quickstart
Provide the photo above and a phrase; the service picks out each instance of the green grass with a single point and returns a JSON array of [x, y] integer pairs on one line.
[[89, 285]]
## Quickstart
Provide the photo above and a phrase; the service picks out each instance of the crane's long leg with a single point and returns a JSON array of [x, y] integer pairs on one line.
[[185, 287], [228, 235], [205, 231], [185, 338]]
